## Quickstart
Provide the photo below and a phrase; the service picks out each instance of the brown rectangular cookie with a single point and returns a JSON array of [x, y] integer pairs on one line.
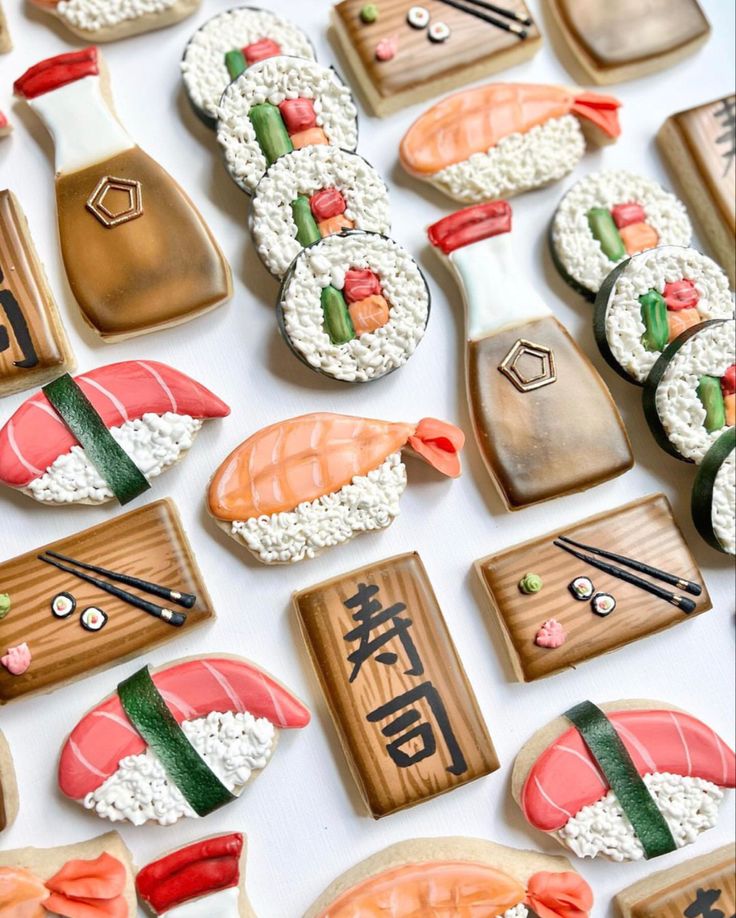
[[148, 543], [396, 689], [644, 530]]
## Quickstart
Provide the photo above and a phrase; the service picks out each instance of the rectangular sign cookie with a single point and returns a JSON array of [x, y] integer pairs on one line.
[[67, 628], [549, 629], [400, 699]]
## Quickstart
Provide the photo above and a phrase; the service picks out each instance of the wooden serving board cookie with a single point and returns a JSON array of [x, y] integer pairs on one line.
[[422, 69], [644, 530], [148, 543]]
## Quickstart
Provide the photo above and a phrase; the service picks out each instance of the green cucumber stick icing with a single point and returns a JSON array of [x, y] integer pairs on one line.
[[307, 230], [654, 317], [271, 132], [604, 230], [338, 324], [710, 394], [235, 63]]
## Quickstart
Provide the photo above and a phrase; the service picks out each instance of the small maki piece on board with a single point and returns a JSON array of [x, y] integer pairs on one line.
[[111, 20], [230, 42], [582, 588], [8, 786], [63, 605], [713, 502], [278, 105], [690, 394], [603, 604], [93, 619], [607, 217], [313, 193]]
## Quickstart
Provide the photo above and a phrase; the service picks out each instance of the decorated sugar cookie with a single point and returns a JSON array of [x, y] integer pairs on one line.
[[6, 43], [501, 139], [625, 781], [110, 20], [181, 740], [278, 105], [304, 485], [230, 42], [354, 306], [713, 500], [8, 786], [104, 434], [312, 193], [6, 128]]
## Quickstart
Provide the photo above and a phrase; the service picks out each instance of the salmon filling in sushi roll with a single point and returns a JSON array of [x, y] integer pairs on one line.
[[279, 105]]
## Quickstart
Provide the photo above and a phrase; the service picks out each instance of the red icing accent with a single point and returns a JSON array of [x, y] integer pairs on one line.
[[360, 283], [682, 294], [728, 380], [625, 214], [34, 436], [327, 203], [57, 71], [260, 51], [600, 110], [3, 120], [439, 444], [565, 777], [200, 869], [191, 689], [470, 225], [559, 895], [298, 114]]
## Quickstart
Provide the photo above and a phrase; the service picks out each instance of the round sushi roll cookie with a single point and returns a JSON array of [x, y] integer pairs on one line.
[[279, 105], [607, 217], [690, 393], [354, 306], [714, 494], [312, 193], [229, 43], [650, 299]]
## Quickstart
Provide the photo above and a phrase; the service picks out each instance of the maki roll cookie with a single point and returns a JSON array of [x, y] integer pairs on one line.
[[607, 217], [229, 43], [312, 193], [278, 105], [690, 394], [650, 299], [354, 306], [714, 494]]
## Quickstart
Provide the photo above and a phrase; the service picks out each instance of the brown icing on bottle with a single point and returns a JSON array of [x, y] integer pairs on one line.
[[138, 254]]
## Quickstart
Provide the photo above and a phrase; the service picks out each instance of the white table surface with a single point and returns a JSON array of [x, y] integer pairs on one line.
[[303, 818]]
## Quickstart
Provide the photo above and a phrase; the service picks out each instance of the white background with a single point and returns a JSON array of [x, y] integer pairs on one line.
[[303, 818]]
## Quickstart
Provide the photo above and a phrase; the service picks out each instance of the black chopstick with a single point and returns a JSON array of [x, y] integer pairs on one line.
[[501, 11], [176, 619], [187, 600], [682, 602], [687, 585], [512, 27]]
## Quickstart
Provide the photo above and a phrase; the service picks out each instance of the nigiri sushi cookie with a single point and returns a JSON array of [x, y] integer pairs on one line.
[[626, 780], [607, 217], [111, 20], [714, 494], [354, 306], [312, 193], [278, 105], [230, 42], [8, 786], [650, 299]]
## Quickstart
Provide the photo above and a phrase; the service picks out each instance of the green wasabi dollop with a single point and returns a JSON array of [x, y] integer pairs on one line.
[[369, 13], [531, 583], [5, 604]]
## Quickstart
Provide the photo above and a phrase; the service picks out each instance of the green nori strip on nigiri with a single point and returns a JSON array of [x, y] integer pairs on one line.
[[582, 588], [93, 619], [63, 605], [603, 604]]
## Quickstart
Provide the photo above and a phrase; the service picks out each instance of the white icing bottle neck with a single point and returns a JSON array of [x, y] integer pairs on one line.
[[495, 292], [83, 128]]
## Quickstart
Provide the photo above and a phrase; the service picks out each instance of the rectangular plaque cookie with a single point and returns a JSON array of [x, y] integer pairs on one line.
[[148, 543], [644, 530], [396, 689]]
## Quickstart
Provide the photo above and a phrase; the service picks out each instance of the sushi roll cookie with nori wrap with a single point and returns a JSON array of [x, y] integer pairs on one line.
[[714, 494], [230, 42], [607, 217], [278, 105], [354, 306], [690, 393], [312, 193], [650, 299]]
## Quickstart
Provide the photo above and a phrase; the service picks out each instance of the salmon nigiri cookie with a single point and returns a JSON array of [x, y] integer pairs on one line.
[[625, 781], [301, 486], [110, 20], [478, 877]]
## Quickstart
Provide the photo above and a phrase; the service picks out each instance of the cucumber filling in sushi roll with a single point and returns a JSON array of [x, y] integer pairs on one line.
[[312, 193], [279, 105], [354, 306], [714, 494]]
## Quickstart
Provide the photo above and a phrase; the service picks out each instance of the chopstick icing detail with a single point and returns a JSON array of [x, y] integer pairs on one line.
[[512, 27]]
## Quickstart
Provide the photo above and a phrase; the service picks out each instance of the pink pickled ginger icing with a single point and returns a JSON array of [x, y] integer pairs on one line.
[[17, 660]]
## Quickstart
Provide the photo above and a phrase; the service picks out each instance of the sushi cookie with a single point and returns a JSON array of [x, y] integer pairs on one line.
[[278, 105], [299, 487], [714, 494], [501, 139], [607, 217], [354, 306], [8, 786], [312, 193], [650, 299], [230, 42], [111, 20], [690, 393]]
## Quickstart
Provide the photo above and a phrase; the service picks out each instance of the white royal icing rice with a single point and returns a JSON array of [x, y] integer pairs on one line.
[[710, 352], [368, 503], [517, 163], [233, 745], [577, 250], [652, 270], [373, 354], [93, 15], [274, 80], [689, 806], [723, 510], [203, 66], [154, 442], [305, 172]]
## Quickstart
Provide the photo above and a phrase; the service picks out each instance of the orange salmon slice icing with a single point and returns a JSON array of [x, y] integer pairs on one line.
[[21, 894]]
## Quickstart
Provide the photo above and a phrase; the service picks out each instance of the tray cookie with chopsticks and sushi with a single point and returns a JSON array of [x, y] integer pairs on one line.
[[593, 587]]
